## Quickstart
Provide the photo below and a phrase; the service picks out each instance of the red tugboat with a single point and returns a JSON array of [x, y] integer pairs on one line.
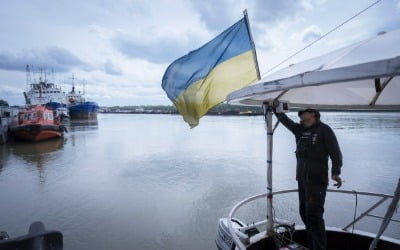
[[37, 124]]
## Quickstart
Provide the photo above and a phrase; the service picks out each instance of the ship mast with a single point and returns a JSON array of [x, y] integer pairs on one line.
[[73, 84], [28, 76], [45, 75], [41, 74]]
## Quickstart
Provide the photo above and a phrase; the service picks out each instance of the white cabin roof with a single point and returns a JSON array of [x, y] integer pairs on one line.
[[365, 75]]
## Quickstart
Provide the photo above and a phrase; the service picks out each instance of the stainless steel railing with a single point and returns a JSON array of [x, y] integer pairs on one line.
[[241, 239]]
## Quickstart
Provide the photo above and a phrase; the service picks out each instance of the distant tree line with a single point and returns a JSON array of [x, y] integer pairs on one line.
[[221, 109]]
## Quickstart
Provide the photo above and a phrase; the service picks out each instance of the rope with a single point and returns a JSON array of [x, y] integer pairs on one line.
[[309, 45], [355, 211], [354, 219]]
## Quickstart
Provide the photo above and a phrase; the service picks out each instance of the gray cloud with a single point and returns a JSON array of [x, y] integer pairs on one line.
[[273, 11], [218, 15], [111, 69], [311, 35], [156, 51], [59, 59]]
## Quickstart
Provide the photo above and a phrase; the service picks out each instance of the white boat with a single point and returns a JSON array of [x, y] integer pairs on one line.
[[363, 76], [43, 91]]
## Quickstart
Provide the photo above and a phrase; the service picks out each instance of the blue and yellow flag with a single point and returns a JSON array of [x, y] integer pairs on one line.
[[204, 77]]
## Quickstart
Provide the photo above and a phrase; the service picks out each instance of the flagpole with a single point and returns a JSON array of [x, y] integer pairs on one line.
[[268, 120], [246, 18]]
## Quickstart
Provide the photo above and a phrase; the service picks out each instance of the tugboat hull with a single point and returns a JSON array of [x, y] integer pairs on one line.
[[36, 132]]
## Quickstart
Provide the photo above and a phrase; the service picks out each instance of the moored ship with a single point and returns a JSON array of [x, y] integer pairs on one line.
[[37, 124], [84, 110], [79, 108], [68, 105], [42, 91]]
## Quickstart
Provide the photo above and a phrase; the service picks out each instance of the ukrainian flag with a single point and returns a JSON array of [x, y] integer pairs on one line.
[[204, 77]]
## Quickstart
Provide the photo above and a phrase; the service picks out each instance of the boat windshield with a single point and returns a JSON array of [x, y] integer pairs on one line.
[[48, 116]]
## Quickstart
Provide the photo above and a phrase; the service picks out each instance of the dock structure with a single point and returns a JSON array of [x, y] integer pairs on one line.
[[8, 116]]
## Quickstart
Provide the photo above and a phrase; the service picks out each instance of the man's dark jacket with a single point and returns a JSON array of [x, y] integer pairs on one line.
[[314, 147]]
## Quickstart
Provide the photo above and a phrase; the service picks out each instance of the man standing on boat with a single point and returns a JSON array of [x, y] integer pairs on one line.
[[316, 142]]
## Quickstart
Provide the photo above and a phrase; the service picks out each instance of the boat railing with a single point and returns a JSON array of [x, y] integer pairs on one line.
[[240, 238]]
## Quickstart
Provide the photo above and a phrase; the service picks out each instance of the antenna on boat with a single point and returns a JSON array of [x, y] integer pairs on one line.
[[28, 76], [41, 74], [45, 74], [52, 75], [33, 76], [73, 83]]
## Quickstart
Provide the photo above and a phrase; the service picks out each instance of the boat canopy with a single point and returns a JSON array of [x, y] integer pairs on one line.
[[362, 76]]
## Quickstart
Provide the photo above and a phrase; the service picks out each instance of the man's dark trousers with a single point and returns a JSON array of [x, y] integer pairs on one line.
[[311, 201]]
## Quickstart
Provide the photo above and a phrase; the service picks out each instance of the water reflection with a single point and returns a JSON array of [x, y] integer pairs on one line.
[[4, 156], [82, 124], [37, 154], [360, 120]]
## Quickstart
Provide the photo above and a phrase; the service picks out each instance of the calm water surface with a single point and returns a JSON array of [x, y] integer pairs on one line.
[[150, 182]]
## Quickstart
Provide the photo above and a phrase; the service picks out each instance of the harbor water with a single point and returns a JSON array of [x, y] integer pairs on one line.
[[127, 181]]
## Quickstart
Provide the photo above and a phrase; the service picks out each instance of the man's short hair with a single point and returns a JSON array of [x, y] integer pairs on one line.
[[313, 111]]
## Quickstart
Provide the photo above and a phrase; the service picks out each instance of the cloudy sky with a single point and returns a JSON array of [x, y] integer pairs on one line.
[[119, 50]]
